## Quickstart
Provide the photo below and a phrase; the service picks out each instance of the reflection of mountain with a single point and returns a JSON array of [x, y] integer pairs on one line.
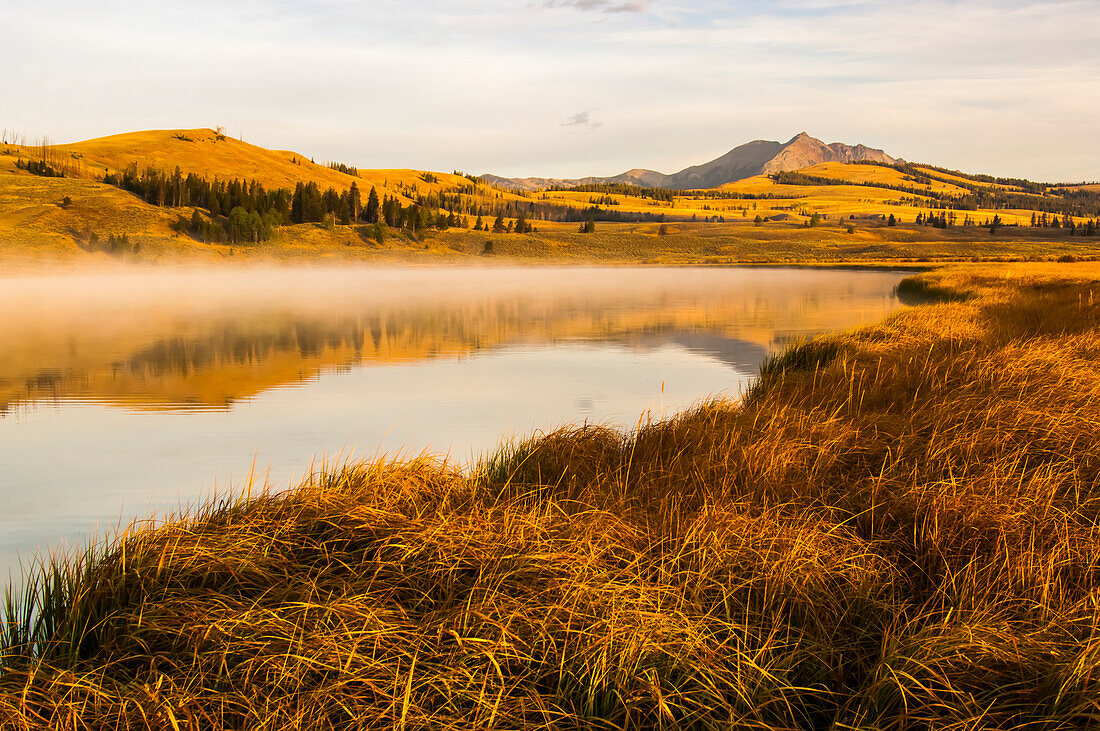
[[166, 350], [743, 356]]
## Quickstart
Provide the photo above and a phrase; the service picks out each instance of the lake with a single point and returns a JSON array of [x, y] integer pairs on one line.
[[135, 392]]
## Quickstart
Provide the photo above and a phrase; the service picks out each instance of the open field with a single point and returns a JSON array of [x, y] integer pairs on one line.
[[896, 529], [737, 243]]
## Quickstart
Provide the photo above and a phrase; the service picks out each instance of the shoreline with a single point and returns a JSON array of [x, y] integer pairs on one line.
[[901, 508]]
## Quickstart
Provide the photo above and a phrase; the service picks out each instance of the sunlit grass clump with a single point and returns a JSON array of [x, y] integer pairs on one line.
[[897, 529]]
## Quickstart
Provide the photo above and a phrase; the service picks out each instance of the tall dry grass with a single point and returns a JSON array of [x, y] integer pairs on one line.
[[897, 529]]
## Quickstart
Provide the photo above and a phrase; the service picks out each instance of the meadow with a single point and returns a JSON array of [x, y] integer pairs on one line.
[[896, 528], [826, 213]]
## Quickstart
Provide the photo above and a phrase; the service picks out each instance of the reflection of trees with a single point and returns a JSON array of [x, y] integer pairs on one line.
[[178, 355], [222, 357]]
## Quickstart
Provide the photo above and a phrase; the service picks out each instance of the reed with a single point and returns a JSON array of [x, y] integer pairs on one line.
[[896, 529]]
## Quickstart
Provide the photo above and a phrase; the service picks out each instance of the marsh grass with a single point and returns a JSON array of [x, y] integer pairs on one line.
[[897, 529]]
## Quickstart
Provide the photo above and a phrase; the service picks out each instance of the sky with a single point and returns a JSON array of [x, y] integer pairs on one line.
[[569, 88]]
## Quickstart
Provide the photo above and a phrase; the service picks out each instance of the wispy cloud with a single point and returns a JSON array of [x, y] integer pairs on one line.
[[582, 120], [602, 6]]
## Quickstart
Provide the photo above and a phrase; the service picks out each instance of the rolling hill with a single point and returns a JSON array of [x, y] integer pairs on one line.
[[822, 199], [206, 153], [759, 157]]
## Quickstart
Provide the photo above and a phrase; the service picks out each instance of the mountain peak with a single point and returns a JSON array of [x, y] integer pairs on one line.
[[759, 157]]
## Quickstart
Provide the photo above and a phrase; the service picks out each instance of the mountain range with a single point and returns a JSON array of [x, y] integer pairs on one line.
[[759, 157]]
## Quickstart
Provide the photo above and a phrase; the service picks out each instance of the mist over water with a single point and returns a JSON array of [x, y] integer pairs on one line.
[[138, 391]]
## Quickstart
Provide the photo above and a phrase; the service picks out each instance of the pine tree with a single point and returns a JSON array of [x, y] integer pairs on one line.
[[355, 203], [296, 203], [372, 209]]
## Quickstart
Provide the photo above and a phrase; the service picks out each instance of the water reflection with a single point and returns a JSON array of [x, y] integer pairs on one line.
[[197, 340], [134, 392]]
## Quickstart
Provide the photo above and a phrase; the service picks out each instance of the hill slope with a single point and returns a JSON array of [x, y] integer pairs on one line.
[[206, 153], [759, 157]]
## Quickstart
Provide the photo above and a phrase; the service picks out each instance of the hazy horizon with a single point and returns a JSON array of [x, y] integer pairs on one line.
[[572, 88]]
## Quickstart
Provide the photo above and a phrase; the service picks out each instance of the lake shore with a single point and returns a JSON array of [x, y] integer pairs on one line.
[[898, 525], [733, 244]]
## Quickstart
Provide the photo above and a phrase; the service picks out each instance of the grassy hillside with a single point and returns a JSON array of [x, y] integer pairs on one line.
[[210, 154], [762, 213], [896, 530], [204, 152]]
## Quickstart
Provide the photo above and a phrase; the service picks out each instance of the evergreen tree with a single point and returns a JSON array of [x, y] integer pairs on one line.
[[355, 204], [372, 209], [296, 203]]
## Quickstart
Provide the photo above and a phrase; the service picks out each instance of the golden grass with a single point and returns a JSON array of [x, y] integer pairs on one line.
[[202, 152], [33, 223], [779, 243], [897, 529]]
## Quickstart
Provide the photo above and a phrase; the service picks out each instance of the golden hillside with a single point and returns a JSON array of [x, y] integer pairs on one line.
[[705, 225], [207, 153]]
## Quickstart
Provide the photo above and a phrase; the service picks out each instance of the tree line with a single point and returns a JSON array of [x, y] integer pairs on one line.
[[665, 195], [1080, 203], [1030, 195], [949, 219], [792, 177]]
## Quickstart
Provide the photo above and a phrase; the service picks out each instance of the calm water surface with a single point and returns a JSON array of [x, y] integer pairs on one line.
[[125, 394]]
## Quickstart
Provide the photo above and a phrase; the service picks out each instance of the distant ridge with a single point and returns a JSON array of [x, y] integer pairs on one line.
[[759, 157]]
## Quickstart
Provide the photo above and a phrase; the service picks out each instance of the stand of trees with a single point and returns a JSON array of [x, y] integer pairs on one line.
[[342, 168], [1090, 227], [219, 197], [114, 244], [252, 212], [39, 167]]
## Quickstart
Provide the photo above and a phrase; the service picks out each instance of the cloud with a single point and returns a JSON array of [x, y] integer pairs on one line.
[[679, 83], [602, 6], [582, 120]]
